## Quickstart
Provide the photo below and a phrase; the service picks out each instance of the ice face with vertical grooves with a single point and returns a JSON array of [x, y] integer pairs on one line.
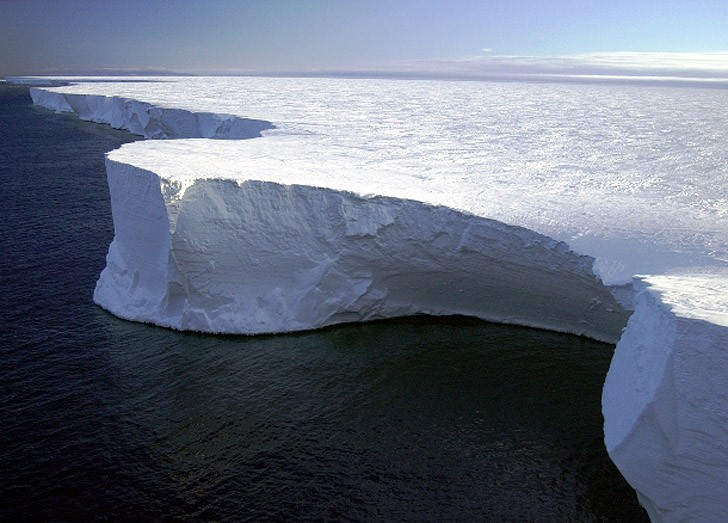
[[147, 120]]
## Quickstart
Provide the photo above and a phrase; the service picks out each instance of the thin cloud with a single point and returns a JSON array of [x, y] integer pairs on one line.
[[712, 65], [678, 64]]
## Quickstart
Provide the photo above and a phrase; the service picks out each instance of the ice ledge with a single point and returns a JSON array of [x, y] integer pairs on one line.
[[147, 120], [665, 397], [259, 256]]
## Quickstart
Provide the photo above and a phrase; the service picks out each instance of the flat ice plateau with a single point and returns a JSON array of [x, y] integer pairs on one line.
[[375, 198]]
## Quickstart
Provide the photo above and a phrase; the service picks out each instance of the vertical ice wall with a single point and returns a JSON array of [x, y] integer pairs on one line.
[[665, 398], [147, 120], [254, 256]]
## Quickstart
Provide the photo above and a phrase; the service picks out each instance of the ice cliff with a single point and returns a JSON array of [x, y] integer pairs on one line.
[[258, 256], [666, 394], [214, 248], [147, 120], [297, 232]]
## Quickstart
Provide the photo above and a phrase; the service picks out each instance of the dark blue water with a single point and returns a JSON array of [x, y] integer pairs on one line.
[[415, 419]]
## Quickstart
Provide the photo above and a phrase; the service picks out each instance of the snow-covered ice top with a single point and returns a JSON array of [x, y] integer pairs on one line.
[[635, 176]]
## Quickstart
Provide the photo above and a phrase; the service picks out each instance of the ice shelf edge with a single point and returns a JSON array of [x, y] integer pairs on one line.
[[296, 257], [147, 120]]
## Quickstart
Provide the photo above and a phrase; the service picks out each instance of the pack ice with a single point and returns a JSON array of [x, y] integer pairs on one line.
[[359, 204]]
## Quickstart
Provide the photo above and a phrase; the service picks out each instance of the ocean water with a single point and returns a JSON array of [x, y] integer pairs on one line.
[[445, 419]]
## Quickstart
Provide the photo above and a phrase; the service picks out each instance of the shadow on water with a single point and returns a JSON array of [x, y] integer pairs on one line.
[[416, 418], [446, 418]]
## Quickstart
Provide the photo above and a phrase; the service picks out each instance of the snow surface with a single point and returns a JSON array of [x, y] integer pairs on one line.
[[634, 176], [372, 198]]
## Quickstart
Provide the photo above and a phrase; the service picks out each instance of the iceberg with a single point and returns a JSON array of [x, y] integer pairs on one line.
[[248, 253], [357, 204]]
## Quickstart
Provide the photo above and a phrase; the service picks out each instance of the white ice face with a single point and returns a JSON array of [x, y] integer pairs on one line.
[[665, 399], [258, 255]]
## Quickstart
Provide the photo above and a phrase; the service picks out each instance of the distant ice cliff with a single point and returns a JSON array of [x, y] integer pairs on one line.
[[148, 121]]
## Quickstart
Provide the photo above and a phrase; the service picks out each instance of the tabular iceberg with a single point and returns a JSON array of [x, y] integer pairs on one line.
[[210, 247], [304, 228], [258, 256]]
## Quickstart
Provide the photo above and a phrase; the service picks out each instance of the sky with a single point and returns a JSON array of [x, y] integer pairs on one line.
[[687, 37]]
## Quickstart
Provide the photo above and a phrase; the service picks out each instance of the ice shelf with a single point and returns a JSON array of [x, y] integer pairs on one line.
[[304, 229]]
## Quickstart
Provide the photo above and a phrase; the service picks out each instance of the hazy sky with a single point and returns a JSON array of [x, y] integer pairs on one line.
[[72, 36]]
